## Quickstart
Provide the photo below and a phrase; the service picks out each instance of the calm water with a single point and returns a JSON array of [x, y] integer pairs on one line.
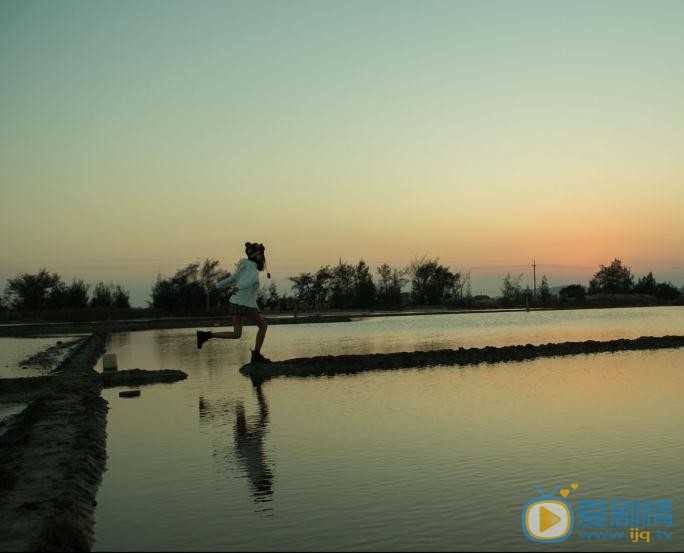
[[14, 351], [432, 459]]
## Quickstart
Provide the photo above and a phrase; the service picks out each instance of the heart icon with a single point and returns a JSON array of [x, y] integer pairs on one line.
[[565, 493], [574, 486]]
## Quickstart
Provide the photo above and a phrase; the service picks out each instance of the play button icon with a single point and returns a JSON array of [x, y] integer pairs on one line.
[[547, 520]]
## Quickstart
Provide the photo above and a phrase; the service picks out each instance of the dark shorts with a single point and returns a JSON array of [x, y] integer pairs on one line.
[[237, 309]]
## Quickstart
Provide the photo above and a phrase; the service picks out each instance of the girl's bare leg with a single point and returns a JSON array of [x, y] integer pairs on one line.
[[261, 333], [237, 330]]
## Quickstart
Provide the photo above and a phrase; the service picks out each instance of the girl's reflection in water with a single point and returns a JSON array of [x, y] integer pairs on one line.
[[249, 433]]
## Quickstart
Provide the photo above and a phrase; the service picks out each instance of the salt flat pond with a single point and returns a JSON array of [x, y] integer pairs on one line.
[[433, 459], [15, 352]]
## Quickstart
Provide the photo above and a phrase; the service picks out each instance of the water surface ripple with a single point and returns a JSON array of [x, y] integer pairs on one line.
[[432, 459]]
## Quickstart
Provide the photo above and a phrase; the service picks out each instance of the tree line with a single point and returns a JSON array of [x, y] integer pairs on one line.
[[611, 280], [618, 279], [424, 282], [348, 285], [344, 285], [47, 291]]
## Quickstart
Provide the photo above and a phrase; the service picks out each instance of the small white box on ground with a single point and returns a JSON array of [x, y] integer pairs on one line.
[[109, 362]]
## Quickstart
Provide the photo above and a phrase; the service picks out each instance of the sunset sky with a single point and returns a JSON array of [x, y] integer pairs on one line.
[[136, 137]]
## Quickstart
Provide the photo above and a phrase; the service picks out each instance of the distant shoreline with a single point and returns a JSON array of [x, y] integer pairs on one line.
[[42, 328]]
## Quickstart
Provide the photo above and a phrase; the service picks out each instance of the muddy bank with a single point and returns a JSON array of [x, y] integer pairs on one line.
[[23, 389], [51, 356], [53, 455], [137, 377], [43, 329], [350, 364]]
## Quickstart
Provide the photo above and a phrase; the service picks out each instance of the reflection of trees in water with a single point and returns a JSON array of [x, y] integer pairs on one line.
[[247, 447]]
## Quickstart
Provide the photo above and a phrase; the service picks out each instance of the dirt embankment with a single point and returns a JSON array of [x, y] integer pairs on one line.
[[53, 455], [138, 377], [350, 364], [104, 327]]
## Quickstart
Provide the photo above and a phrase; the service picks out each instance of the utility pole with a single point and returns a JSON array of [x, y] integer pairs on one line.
[[534, 267]]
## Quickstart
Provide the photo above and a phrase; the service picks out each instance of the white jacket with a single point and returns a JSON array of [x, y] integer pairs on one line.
[[246, 279]]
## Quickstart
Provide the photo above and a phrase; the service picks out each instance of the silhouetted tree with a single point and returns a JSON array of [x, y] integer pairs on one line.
[[646, 285], [527, 294], [29, 292], [77, 294], [342, 285], [120, 298], [511, 289], [74, 296], [209, 274], [303, 288], [573, 291], [268, 297], [57, 296], [285, 302], [667, 290], [102, 295], [614, 279], [364, 287], [272, 297], [320, 289], [183, 291], [390, 285], [432, 283], [544, 291]]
